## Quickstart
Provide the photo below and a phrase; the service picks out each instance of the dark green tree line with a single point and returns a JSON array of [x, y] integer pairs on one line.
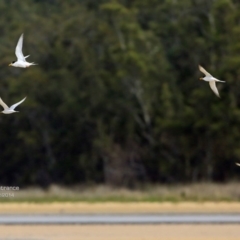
[[115, 98]]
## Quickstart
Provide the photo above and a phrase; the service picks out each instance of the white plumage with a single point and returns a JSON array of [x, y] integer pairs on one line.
[[9, 110], [21, 60], [212, 80]]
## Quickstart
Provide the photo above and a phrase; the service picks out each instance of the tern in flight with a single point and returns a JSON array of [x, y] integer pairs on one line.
[[9, 110], [21, 59], [212, 80]]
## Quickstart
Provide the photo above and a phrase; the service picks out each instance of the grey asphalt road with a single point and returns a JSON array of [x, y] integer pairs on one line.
[[121, 219]]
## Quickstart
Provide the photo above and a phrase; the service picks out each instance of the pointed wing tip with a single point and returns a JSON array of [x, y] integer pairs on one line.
[[201, 69], [217, 94], [238, 164]]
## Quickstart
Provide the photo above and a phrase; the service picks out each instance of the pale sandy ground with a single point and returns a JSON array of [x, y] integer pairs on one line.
[[121, 232], [142, 207]]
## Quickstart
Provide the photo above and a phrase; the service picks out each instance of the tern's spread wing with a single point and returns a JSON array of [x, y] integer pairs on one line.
[[213, 87], [204, 71], [18, 50], [16, 104], [4, 105]]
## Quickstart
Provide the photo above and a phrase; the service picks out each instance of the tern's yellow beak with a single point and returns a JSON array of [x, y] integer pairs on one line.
[[10, 64]]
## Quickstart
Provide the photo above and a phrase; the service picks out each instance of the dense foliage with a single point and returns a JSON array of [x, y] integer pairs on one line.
[[115, 98]]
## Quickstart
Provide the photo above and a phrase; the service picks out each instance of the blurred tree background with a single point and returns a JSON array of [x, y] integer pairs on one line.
[[116, 98]]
